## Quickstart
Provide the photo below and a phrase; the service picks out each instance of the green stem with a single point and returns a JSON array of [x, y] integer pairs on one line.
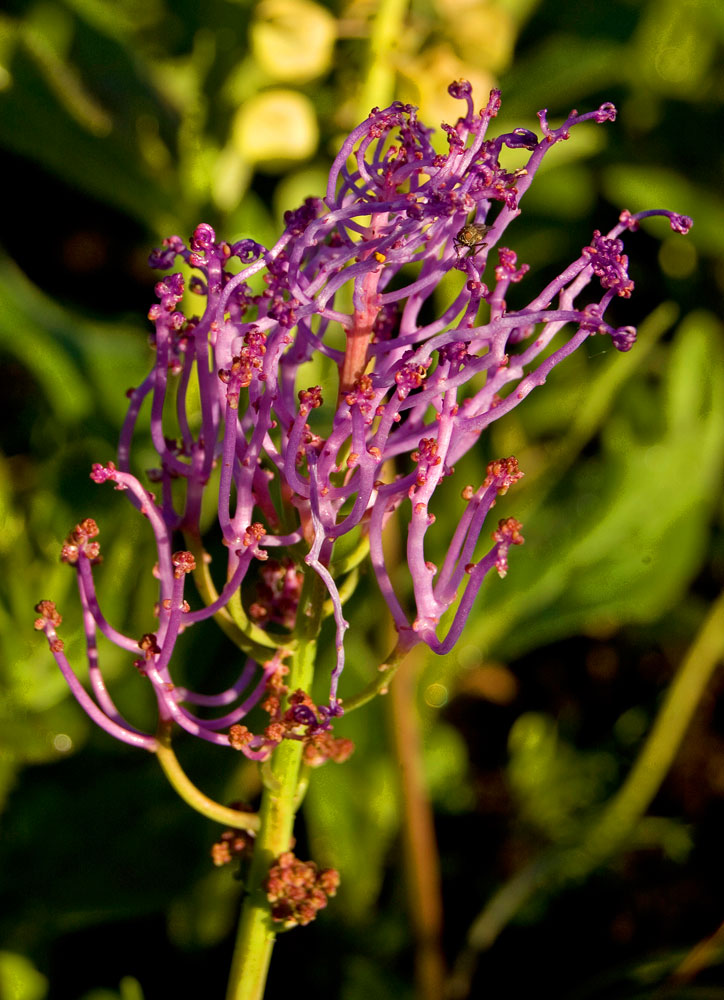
[[661, 746], [193, 796], [280, 800], [379, 84], [257, 933], [381, 683]]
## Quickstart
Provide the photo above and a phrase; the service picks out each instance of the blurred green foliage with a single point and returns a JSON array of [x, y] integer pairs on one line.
[[125, 121]]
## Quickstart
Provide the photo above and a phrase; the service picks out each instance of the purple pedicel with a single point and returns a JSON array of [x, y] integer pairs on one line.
[[409, 386]]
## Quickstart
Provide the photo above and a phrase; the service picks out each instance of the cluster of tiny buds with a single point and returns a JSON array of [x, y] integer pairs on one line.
[[48, 613], [148, 644], [310, 399], [504, 470], [508, 530], [183, 562], [50, 618], [411, 377], [253, 534], [245, 366], [233, 844], [506, 269], [505, 467], [102, 473], [302, 721], [297, 890], [610, 264], [80, 539], [361, 395]]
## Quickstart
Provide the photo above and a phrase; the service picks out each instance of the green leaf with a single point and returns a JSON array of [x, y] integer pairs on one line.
[[77, 115], [644, 187], [675, 45], [568, 65], [81, 366]]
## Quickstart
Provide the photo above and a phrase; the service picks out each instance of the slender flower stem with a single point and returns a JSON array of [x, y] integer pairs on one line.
[[251, 639], [420, 847], [280, 800], [193, 796], [381, 683], [701, 956]]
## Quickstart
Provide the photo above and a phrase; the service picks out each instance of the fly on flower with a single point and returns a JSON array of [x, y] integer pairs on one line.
[[470, 237]]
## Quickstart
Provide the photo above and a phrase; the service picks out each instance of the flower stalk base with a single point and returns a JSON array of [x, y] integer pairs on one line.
[[280, 801]]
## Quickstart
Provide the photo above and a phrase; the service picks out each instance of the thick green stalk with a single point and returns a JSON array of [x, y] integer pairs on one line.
[[280, 800], [257, 933]]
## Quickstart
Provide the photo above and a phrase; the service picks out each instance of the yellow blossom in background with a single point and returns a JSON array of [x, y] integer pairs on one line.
[[483, 33], [422, 76], [275, 127], [293, 40]]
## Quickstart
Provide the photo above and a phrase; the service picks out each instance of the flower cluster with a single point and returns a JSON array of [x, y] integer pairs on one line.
[[233, 844], [322, 389], [302, 721], [297, 890]]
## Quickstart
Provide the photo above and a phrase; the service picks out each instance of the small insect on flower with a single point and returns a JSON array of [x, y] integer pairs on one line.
[[470, 237]]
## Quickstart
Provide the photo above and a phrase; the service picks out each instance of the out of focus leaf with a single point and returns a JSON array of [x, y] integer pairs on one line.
[[83, 367], [205, 913], [446, 768], [50, 113], [119, 17], [276, 127], [80, 368], [352, 805], [569, 65], [555, 784], [675, 45], [641, 187]]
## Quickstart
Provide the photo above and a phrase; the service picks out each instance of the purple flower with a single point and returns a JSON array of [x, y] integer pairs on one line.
[[408, 388]]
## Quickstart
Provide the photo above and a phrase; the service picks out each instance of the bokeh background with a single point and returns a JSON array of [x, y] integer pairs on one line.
[[123, 121]]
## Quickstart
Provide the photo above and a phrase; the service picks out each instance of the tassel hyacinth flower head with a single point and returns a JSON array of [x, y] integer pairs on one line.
[[305, 477]]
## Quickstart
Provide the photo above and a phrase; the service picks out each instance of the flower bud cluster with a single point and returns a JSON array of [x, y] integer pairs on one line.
[[302, 720], [80, 542], [298, 890], [233, 844]]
